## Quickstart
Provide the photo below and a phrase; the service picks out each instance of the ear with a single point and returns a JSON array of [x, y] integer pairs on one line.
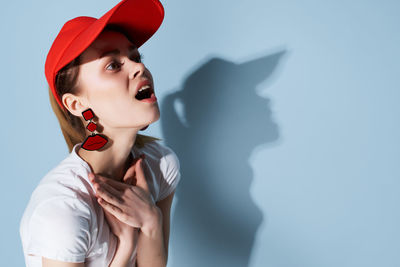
[[74, 104]]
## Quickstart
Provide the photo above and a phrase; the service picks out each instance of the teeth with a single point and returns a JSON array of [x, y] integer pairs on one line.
[[144, 87]]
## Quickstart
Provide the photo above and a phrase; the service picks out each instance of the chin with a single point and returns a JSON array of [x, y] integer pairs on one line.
[[152, 119], [156, 114], [155, 118]]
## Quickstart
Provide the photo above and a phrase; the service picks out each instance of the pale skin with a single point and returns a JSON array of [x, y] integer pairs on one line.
[[107, 86]]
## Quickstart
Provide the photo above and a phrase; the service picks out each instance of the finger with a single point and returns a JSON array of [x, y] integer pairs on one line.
[[130, 181], [129, 177], [99, 178], [114, 210], [108, 188], [106, 195], [140, 178]]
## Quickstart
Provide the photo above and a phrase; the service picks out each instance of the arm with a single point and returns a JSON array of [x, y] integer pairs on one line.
[[53, 263], [165, 207], [153, 250], [123, 255]]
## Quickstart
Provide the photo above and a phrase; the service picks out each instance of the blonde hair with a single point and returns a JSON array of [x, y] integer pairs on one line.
[[72, 126]]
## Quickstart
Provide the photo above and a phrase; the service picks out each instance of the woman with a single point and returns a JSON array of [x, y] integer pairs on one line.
[[108, 203]]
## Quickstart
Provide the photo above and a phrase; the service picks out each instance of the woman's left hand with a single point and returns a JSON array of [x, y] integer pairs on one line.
[[131, 204]]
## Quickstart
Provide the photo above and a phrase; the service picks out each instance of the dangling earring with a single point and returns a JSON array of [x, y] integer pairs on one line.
[[93, 141]]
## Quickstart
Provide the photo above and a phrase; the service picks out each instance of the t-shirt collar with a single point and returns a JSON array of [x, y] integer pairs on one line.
[[74, 153]]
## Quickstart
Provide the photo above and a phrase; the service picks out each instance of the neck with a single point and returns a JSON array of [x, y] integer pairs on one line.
[[115, 157]]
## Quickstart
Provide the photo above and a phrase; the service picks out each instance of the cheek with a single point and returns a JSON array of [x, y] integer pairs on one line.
[[114, 110], [112, 101], [105, 87]]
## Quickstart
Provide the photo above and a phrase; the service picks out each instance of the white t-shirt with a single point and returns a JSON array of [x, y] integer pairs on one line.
[[63, 220]]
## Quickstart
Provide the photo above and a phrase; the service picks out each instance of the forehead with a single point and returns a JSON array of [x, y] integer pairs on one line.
[[106, 40]]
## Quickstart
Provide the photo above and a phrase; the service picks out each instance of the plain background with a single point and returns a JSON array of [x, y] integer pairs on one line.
[[284, 115]]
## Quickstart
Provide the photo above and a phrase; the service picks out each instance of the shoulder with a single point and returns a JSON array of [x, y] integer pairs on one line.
[[59, 221], [157, 148], [61, 196], [66, 180], [163, 159], [56, 213], [59, 201], [166, 156], [60, 228]]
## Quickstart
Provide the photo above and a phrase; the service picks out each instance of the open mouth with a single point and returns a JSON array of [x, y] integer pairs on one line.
[[144, 92]]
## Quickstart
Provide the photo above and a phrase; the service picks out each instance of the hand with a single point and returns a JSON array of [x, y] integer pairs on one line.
[[118, 228], [130, 204], [122, 230]]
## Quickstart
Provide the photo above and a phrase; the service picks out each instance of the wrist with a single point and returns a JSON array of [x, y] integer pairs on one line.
[[124, 253], [125, 243], [154, 224]]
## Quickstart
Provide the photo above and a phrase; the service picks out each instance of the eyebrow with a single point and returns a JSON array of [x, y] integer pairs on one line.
[[115, 51]]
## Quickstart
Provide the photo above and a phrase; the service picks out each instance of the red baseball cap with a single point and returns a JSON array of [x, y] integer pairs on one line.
[[140, 19]]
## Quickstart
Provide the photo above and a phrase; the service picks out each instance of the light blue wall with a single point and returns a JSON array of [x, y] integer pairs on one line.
[[284, 115]]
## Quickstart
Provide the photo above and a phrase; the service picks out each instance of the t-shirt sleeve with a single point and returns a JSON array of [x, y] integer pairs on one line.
[[59, 229], [170, 168]]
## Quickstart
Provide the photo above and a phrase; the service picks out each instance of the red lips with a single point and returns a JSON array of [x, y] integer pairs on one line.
[[93, 142]]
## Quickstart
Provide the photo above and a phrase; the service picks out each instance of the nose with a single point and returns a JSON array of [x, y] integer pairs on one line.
[[135, 69]]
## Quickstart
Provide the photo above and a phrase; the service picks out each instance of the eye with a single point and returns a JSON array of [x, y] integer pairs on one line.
[[114, 64]]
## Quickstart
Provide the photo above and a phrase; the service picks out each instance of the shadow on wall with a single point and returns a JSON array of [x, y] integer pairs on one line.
[[213, 124]]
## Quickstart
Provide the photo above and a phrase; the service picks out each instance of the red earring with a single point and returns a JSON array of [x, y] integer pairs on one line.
[[93, 141]]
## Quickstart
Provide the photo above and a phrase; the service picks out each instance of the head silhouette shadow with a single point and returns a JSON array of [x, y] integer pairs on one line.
[[213, 123]]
